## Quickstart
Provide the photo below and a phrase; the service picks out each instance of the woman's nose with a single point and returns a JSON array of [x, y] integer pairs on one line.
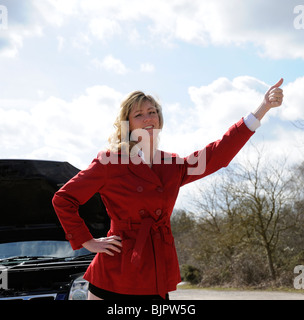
[[147, 117]]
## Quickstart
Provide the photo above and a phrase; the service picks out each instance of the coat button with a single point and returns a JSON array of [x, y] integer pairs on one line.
[[141, 212], [69, 236], [158, 212], [159, 189], [140, 189]]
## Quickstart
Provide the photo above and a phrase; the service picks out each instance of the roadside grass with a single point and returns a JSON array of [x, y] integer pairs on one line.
[[185, 286]]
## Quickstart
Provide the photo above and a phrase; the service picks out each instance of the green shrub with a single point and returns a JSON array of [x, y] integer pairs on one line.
[[190, 274]]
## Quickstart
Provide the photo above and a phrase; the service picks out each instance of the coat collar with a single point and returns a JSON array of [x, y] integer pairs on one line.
[[137, 165], [141, 169]]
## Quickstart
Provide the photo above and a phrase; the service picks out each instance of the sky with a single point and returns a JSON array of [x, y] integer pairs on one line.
[[67, 65]]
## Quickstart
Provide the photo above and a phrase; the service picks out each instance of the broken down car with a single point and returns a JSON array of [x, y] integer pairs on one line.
[[36, 261]]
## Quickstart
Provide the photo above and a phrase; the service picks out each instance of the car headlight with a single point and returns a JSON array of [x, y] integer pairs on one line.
[[79, 289]]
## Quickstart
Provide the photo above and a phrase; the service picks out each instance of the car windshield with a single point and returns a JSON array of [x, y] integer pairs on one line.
[[43, 249]]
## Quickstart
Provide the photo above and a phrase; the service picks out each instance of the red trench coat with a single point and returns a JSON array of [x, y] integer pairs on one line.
[[139, 202]]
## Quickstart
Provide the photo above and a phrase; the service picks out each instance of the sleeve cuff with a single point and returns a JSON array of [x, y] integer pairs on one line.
[[78, 236], [252, 122]]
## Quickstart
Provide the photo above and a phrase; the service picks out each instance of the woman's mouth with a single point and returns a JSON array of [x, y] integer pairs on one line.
[[148, 127]]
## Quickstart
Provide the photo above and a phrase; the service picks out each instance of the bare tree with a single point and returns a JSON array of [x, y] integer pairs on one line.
[[246, 206], [264, 191]]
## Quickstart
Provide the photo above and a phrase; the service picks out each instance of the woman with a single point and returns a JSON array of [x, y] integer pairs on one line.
[[139, 185]]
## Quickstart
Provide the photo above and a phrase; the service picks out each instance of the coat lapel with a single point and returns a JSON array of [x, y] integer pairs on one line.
[[143, 171]]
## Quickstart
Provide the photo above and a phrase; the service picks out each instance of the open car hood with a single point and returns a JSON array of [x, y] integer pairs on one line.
[[26, 191]]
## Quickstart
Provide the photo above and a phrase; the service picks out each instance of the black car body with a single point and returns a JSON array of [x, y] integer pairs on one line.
[[36, 261]]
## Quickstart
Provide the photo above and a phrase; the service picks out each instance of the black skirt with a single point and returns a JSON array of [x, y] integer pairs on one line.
[[109, 295]]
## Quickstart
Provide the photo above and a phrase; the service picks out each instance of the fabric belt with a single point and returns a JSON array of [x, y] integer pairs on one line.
[[144, 231]]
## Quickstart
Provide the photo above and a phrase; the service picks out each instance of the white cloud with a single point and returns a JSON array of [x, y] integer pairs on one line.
[[111, 64], [54, 12], [61, 43], [56, 129], [21, 24], [104, 28], [269, 26], [293, 101], [12, 39], [223, 102], [82, 41], [147, 67]]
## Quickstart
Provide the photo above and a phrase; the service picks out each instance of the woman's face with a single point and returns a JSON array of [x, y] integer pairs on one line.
[[145, 117]]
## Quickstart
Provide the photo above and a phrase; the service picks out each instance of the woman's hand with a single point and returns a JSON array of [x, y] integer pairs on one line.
[[274, 96], [272, 99], [104, 245]]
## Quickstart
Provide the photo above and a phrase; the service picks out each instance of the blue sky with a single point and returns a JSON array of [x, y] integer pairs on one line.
[[66, 65]]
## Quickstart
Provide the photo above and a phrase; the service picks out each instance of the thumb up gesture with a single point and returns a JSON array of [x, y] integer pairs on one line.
[[274, 96]]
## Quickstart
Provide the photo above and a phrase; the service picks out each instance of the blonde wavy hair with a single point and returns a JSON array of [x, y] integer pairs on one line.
[[134, 99]]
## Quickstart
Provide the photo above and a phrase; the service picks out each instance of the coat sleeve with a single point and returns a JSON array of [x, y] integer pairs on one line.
[[74, 193], [215, 155]]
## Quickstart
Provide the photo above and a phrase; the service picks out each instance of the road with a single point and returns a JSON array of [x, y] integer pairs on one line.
[[201, 294]]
